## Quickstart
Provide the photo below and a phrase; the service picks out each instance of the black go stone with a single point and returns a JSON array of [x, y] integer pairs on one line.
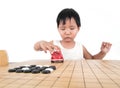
[[32, 65], [17, 68], [12, 70], [27, 71], [19, 71], [35, 71], [53, 67], [45, 71]]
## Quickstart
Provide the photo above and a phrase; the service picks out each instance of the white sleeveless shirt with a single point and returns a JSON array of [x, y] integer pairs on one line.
[[74, 53]]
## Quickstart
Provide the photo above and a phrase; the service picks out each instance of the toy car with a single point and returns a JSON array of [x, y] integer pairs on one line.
[[57, 56]]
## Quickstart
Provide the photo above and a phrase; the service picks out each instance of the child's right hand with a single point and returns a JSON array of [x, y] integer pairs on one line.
[[46, 46]]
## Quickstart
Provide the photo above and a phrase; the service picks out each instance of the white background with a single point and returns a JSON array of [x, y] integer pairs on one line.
[[24, 22]]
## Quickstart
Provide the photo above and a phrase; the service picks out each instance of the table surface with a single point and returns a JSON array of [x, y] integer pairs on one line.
[[70, 74]]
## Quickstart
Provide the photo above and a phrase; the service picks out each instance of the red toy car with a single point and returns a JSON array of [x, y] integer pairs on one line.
[[57, 56]]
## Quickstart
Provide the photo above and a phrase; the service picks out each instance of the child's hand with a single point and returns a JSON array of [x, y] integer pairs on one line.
[[105, 47], [44, 46]]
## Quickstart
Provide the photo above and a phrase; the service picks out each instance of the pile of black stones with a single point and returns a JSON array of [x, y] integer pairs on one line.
[[45, 69]]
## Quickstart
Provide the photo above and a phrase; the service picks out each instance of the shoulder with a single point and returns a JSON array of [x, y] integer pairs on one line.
[[55, 41], [84, 49], [79, 44]]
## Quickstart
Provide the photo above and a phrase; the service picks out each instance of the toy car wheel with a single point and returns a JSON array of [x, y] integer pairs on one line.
[[52, 61]]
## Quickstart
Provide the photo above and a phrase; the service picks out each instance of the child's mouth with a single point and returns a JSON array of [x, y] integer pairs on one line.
[[67, 38]]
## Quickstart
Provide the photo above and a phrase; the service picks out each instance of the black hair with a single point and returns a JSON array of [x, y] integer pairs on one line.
[[68, 13]]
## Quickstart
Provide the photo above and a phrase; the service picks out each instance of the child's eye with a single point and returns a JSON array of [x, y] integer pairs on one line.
[[63, 29], [71, 28]]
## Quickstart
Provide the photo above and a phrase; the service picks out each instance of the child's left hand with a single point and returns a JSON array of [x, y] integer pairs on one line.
[[105, 47]]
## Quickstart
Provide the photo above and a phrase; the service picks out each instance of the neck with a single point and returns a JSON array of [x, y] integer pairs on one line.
[[68, 45]]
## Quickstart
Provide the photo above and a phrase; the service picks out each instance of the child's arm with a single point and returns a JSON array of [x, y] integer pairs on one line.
[[44, 46], [105, 47]]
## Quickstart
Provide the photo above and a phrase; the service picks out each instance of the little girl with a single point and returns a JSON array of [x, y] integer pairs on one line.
[[68, 24]]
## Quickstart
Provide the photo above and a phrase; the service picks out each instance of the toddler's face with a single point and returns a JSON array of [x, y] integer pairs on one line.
[[69, 30]]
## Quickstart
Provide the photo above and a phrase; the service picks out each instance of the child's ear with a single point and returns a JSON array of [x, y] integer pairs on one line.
[[78, 28]]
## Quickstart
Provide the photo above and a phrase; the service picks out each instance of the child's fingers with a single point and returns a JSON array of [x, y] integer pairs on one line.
[[43, 47], [56, 47], [104, 44], [53, 48], [107, 44], [50, 48]]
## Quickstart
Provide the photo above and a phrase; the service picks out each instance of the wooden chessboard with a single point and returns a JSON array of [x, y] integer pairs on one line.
[[70, 74]]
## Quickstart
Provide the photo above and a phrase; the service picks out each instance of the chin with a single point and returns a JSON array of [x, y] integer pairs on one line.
[[68, 40]]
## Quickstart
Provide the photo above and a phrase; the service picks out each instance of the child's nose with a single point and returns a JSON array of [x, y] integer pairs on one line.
[[67, 31]]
